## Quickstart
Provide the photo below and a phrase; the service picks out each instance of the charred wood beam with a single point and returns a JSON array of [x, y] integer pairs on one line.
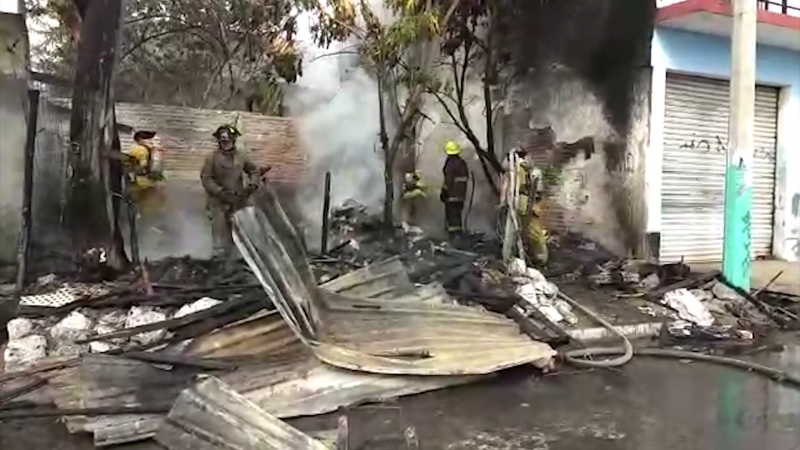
[[326, 215], [99, 411], [538, 327], [691, 283], [28, 387], [41, 368], [27, 189], [180, 360], [783, 317], [8, 309]]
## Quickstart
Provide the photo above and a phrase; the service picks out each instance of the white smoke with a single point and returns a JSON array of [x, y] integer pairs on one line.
[[336, 104]]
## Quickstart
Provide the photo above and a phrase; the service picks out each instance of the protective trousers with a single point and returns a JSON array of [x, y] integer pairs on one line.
[[221, 230], [534, 236], [452, 216]]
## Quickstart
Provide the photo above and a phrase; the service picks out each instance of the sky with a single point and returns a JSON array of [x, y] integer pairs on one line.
[[9, 6]]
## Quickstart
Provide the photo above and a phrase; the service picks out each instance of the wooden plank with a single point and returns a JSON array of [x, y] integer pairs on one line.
[[211, 416]]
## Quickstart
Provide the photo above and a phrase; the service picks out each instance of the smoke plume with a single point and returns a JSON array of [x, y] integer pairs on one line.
[[336, 104]]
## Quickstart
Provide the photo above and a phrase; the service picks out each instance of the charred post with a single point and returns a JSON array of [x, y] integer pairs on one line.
[[326, 212], [90, 215], [27, 189]]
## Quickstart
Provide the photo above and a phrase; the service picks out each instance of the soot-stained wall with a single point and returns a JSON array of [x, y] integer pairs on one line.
[[581, 72]]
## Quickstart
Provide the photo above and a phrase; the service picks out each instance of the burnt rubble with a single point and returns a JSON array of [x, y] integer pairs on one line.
[[380, 314]]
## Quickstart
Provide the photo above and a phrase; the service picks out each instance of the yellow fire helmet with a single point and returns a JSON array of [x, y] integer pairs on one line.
[[451, 148]]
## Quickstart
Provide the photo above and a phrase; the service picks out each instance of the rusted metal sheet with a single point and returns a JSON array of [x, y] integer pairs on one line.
[[381, 337], [210, 415], [695, 155]]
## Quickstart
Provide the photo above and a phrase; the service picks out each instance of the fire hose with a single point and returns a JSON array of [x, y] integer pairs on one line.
[[582, 357], [471, 198]]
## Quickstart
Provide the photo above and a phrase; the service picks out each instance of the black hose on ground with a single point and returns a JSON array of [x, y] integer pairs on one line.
[[626, 353]]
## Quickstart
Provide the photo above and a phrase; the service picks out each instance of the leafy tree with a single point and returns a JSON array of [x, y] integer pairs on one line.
[[201, 53], [398, 52], [469, 50]]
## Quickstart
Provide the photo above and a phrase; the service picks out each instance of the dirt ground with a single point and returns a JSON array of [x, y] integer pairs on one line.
[[647, 405]]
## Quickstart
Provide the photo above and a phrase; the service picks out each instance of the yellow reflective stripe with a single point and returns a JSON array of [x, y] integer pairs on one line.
[[414, 194]]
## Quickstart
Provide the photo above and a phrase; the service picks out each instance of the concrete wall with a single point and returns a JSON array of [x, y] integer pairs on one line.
[[13, 106], [434, 133], [699, 54], [581, 69]]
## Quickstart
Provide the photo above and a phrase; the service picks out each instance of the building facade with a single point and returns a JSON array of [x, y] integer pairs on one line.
[[686, 158]]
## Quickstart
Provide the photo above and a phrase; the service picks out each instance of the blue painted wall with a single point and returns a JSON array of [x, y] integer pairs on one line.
[[709, 55], [704, 54]]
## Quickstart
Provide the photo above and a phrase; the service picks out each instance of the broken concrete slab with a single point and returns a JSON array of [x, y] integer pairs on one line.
[[210, 415]]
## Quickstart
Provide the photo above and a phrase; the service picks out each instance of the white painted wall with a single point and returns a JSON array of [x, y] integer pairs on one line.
[[786, 240]]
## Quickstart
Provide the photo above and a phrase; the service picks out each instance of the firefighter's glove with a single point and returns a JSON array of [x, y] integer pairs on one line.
[[229, 197]]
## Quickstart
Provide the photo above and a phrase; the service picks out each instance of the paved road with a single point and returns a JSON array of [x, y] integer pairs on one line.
[[650, 405]]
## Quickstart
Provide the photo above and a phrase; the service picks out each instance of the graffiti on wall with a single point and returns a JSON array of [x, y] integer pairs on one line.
[[717, 145], [747, 228]]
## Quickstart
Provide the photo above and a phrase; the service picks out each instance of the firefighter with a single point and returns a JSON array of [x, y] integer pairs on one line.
[[414, 192], [454, 189], [145, 170], [229, 177], [529, 208]]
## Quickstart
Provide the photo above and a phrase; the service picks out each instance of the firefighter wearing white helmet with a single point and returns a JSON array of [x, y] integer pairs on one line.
[[229, 177]]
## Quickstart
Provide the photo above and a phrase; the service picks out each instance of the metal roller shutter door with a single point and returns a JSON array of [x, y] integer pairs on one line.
[[693, 173]]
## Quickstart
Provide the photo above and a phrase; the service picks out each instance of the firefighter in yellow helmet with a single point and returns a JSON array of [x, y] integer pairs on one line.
[[454, 188], [529, 208]]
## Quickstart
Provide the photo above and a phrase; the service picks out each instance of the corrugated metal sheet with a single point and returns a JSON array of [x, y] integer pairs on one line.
[[210, 415], [375, 335], [287, 381], [695, 142]]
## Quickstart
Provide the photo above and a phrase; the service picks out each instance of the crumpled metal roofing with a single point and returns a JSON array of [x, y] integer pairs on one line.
[[375, 335], [287, 381], [295, 361]]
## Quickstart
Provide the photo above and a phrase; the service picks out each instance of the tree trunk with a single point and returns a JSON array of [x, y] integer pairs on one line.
[[388, 157], [90, 212]]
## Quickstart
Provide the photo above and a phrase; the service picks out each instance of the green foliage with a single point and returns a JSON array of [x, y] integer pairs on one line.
[[267, 98], [202, 53]]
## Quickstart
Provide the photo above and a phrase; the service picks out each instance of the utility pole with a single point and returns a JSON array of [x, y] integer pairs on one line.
[[739, 168]]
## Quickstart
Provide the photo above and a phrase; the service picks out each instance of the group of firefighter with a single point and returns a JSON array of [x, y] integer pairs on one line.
[[229, 178], [519, 169]]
